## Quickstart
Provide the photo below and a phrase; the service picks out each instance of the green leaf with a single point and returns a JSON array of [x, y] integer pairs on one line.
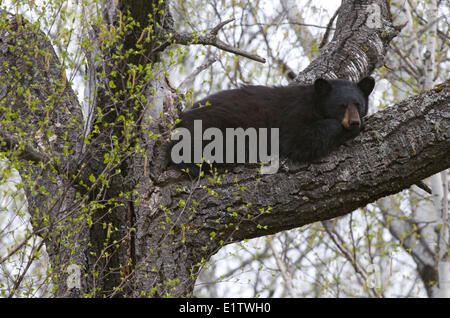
[[111, 84]]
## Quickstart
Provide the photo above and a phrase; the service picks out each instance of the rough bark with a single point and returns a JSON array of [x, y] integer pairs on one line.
[[40, 130], [363, 30]]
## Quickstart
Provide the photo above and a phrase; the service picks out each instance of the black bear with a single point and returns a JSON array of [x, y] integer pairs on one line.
[[312, 119]]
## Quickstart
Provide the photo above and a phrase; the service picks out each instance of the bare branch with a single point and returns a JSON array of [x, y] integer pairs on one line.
[[197, 71], [286, 69], [268, 24], [282, 267], [351, 54], [329, 28], [340, 244], [28, 153], [424, 187], [403, 144], [210, 38], [420, 32], [217, 28]]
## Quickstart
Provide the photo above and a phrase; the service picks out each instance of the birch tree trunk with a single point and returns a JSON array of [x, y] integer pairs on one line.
[[437, 181]]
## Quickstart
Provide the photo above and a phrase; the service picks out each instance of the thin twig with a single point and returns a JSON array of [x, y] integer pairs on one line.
[[281, 266], [424, 187], [217, 28]]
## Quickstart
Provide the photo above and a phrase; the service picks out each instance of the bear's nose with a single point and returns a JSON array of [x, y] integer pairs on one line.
[[355, 123]]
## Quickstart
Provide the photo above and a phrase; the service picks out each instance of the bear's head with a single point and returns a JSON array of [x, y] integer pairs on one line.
[[344, 100]]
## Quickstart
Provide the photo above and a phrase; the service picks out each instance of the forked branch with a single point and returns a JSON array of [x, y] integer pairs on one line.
[[209, 38]]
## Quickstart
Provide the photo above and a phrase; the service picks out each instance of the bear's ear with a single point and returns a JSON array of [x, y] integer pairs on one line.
[[322, 86], [366, 85]]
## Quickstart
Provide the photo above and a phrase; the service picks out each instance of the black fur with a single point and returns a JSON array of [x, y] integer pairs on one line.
[[309, 116]]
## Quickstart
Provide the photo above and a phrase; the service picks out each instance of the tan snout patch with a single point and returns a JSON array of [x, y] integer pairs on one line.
[[351, 116]]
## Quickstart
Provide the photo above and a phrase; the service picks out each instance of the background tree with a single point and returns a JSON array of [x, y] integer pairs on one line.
[[103, 203]]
